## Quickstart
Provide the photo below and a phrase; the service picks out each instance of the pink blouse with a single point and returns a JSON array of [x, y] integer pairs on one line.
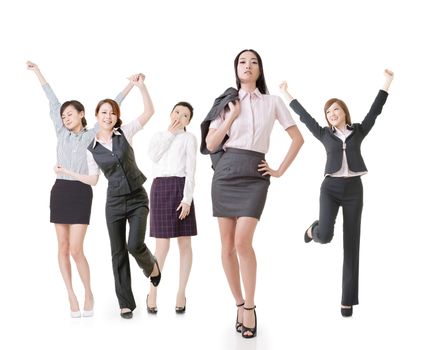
[[251, 130]]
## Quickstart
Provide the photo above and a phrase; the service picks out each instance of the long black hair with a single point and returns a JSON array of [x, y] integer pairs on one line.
[[260, 83]]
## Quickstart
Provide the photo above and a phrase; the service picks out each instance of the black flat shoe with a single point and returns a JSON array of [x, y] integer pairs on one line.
[[346, 312], [126, 315], [155, 280], [151, 310], [306, 237], [252, 330], [238, 325], [181, 309]]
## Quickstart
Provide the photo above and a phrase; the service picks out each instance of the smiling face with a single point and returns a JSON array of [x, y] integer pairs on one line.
[[72, 118], [248, 68], [182, 114], [106, 117], [337, 114]]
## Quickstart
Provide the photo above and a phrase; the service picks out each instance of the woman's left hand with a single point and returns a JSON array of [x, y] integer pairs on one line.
[[265, 169], [185, 210]]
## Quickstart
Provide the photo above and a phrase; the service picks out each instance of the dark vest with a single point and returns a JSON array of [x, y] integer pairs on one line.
[[119, 166]]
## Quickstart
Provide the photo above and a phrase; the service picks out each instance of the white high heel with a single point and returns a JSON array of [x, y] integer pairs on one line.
[[89, 313], [75, 314]]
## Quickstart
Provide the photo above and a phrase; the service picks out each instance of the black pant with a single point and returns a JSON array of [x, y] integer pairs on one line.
[[348, 193], [133, 208]]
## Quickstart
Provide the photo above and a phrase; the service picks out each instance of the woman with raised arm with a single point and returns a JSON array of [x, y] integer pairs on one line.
[[70, 200], [342, 185], [127, 201], [242, 176]]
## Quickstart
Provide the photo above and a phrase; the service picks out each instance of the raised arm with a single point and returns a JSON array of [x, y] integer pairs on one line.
[[138, 80], [389, 76], [52, 98], [122, 94], [376, 108], [34, 67], [305, 117], [216, 136]]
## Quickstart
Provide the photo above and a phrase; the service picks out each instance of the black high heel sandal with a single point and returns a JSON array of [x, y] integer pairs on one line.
[[238, 325], [155, 280], [151, 309], [181, 309], [252, 330]]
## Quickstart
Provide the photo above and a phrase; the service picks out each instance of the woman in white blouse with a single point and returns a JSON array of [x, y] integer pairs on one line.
[[242, 176], [172, 211]]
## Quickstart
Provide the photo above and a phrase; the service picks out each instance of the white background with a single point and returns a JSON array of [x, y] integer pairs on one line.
[[323, 49]]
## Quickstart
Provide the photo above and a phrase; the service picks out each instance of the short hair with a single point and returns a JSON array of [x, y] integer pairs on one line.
[[77, 105], [187, 105]]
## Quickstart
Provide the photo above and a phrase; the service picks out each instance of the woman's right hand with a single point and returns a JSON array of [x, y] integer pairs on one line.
[[283, 87], [285, 93], [234, 109], [31, 65], [174, 126], [58, 169]]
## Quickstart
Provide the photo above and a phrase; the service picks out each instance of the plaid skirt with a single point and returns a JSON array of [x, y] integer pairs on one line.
[[166, 195]]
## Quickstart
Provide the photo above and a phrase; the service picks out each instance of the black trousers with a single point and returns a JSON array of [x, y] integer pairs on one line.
[[134, 209], [347, 193]]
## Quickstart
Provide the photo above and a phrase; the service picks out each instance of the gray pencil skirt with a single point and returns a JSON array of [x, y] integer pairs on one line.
[[238, 188]]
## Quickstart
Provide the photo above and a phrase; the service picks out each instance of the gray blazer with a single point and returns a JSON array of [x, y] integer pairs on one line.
[[231, 94]]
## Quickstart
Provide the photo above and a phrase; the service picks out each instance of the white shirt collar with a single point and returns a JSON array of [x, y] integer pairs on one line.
[[243, 94], [115, 132]]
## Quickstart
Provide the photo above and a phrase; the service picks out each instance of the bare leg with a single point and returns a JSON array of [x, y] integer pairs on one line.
[[162, 246], [63, 234], [185, 250], [245, 229], [229, 259], [77, 236]]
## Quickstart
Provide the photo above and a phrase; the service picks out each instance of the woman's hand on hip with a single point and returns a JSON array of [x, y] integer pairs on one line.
[[265, 169]]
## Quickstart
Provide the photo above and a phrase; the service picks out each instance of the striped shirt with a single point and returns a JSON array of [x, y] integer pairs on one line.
[[251, 130], [71, 147]]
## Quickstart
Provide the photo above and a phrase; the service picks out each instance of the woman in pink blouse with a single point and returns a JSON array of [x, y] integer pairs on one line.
[[242, 176]]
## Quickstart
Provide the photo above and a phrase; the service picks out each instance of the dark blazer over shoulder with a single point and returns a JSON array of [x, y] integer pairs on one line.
[[230, 95], [333, 145]]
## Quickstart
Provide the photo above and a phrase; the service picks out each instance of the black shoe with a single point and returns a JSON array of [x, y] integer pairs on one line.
[[127, 315], [181, 309], [151, 310], [238, 325], [347, 312], [307, 238], [252, 330], [155, 280]]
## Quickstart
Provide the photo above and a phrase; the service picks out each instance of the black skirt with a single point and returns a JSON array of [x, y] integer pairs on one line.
[[238, 188], [166, 195], [70, 202]]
